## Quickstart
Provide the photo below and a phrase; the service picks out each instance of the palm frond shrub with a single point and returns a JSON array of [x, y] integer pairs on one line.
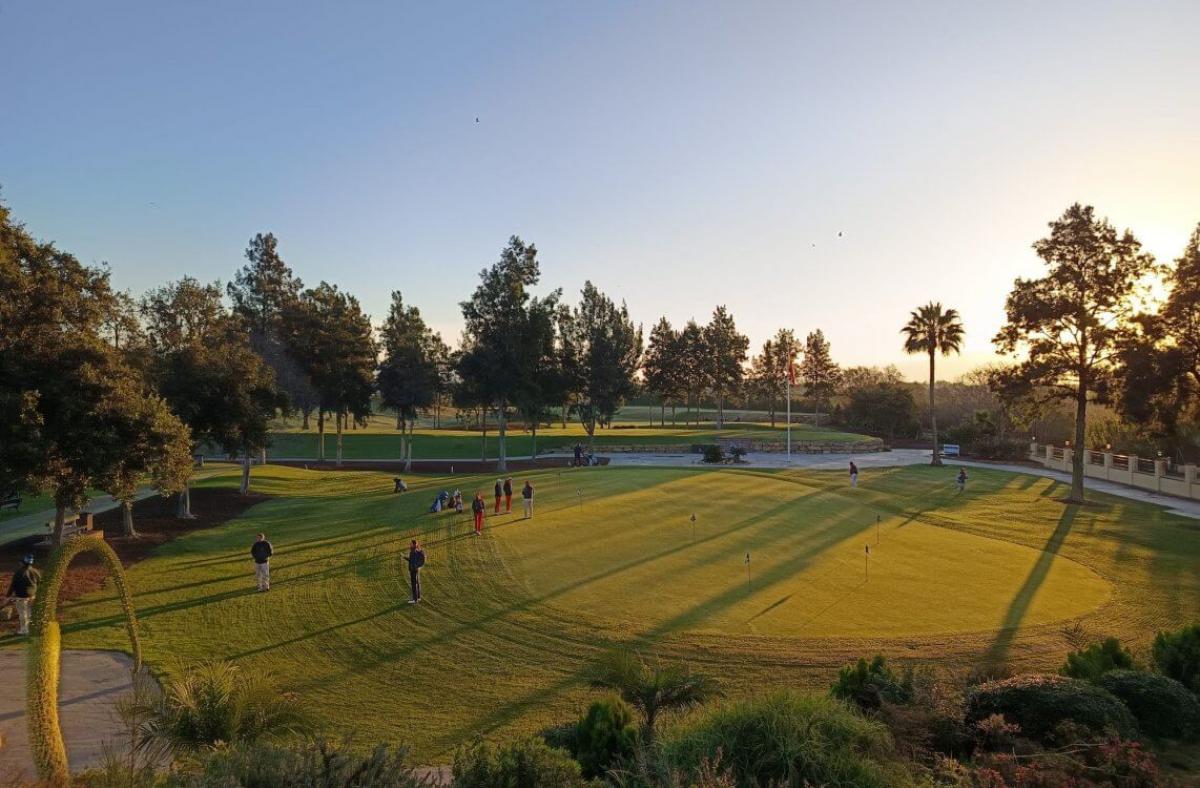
[[653, 688]]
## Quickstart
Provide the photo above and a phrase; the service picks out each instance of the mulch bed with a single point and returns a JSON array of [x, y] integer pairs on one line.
[[154, 518]]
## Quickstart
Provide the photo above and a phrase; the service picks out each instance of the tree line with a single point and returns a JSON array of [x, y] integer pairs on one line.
[[99, 390]]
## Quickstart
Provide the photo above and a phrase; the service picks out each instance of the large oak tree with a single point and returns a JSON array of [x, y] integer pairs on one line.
[[1068, 324]]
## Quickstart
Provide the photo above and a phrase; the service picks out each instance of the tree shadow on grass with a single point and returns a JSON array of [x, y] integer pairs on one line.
[[1019, 607]]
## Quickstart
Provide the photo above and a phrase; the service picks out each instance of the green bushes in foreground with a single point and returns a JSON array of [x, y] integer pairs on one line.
[[1163, 707], [315, 764], [1177, 655], [870, 684], [605, 737], [1097, 659], [1039, 703], [785, 739], [530, 763]]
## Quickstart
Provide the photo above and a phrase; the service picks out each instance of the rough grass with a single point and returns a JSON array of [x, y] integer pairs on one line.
[[1004, 572]]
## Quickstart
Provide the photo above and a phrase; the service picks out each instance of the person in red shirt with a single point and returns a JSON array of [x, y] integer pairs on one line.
[[478, 507]]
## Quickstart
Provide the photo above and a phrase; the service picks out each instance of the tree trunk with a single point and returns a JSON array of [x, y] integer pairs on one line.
[[321, 435], [672, 414], [245, 486], [533, 448], [60, 518], [127, 528], [1077, 456], [937, 455], [262, 456], [341, 422], [407, 448], [720, 412], [184, 510], [483, 448], [399, 421], [502, 426], [305, 411]]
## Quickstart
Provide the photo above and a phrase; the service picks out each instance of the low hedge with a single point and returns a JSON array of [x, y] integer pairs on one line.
[[1038, 703], [1164, 708]]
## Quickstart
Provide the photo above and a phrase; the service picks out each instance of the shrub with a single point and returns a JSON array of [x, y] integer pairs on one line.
[[1177, 655], [869, 684], [606, 736], [786, 739], [530, 763], [217, 703], [316, 764], [713, 453], [1163, 707], [1039, 703], [1097, 659]]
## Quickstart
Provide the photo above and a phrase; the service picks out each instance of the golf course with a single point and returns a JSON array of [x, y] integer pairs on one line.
[[770, 586]]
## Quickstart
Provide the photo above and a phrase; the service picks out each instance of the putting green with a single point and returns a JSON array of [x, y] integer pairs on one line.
[[633, 562], [510, 621]]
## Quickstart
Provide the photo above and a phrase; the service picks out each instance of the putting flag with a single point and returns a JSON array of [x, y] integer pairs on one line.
[[747, 559]]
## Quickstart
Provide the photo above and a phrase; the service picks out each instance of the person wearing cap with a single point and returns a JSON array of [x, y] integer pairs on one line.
[[22, 590], [508, 495], [416, 560], [527, 496], [478, 507], [261, 551]]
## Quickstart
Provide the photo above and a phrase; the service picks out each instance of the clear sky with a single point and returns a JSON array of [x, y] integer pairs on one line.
[[680, 155]]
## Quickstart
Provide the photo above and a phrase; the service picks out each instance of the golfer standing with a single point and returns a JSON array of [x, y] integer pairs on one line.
[[478, 507], [961, 481], [416, 560], [508, 495], [527, 498], [853, 474], [261, 551], [499, 494], [22, 590]]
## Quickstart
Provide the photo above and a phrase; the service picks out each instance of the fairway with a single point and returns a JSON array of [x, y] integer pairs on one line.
[[511, 619]]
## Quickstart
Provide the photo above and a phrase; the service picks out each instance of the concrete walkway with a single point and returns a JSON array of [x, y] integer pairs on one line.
[[91, 682], [901, 457]]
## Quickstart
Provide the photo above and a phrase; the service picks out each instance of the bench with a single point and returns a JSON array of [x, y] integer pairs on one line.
[[11, 501], [73, 525]]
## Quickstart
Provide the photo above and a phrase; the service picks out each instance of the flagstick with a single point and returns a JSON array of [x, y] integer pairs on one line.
[[877, 519], [867, 565], [747, 573]]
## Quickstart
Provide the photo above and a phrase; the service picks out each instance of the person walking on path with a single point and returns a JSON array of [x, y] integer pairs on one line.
[[262, 551], [527, 498], [22, 590], [478, 507], [499, 494], [416, 560], [961, 481], [508, 495], [853, 474]]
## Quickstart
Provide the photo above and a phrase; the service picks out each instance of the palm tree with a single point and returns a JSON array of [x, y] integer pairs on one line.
[[932, 330], [652, 688]]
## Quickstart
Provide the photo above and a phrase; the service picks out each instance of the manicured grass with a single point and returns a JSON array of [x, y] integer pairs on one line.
[[1003, 572], [384, 442]]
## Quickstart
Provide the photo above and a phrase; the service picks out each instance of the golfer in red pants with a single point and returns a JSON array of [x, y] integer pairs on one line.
[[478, 507]]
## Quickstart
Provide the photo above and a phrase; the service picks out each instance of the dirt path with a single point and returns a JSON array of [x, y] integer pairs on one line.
[[91, 682]]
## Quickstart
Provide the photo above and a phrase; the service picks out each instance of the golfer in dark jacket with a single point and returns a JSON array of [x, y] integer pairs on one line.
[[22, 591], [508, 495], [416, 560], [262, 551], [527, 496]]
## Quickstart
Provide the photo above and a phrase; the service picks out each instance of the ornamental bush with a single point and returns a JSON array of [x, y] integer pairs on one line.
[[1097, 659], [869, 684], [606, 736], [1039, 703], [1177, 655], [1164, 708], [785, 739], [530, 763]]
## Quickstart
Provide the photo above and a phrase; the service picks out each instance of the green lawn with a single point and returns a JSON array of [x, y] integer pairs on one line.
[[1004, 572], [383, 442]]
